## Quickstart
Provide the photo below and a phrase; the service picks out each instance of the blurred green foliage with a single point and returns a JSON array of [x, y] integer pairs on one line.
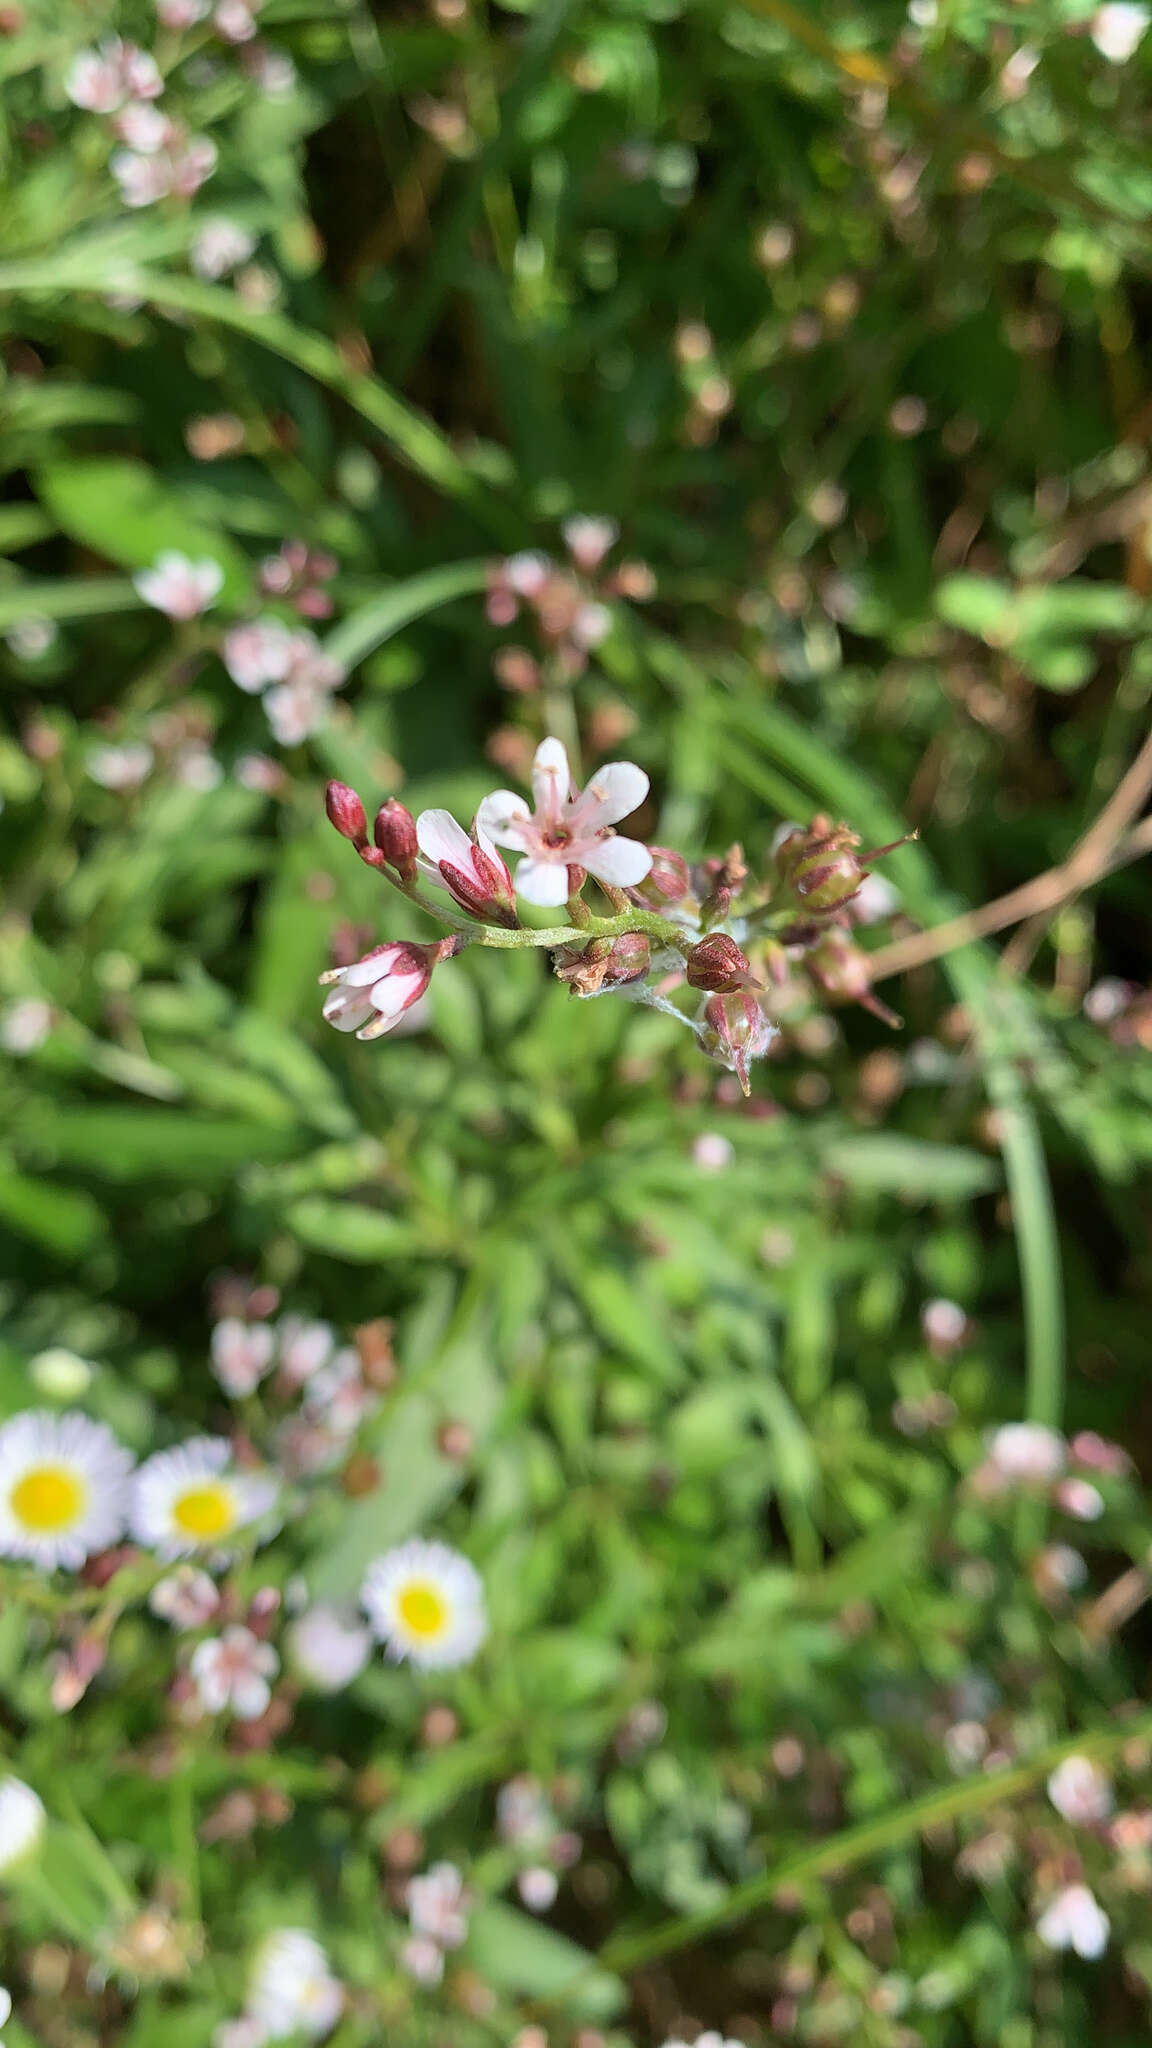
[[844, 317]]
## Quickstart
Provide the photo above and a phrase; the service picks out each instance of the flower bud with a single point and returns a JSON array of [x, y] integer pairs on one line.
[[668, 879], [394, 832], [841, 969], [820, 866], [718, 964], [346, 813], [628, 960], [738, 1031]]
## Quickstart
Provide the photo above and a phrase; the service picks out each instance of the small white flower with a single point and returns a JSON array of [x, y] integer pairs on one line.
[[709, 2040], [257, 654], [25, 1024], [245, 2032], [568, 830], [328, 1647], [221, 245], [1080, 1791], [103, 80], [22, 1819], [233, 1670], [426, 1603], [194, 1498], [1074, 1920], [187, 1598], [180, 587], [181, 14], [538, 1887], [63, 1488], [293, 1989], [296, 709], [1080, 1499], [124, 767], [5, 2004], [523, 1814], [712, 1152], [234, 22], [144, 128], [1026, 1453], [944, 1325], [304, 1348], [438, 1905], [241, 1355], [588, 540], [371, 995], [423, 1959], [1118, 29]]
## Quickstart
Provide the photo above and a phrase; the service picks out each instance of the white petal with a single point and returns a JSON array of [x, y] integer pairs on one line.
[[250, 1696], [345, 1013], [551, 778], [439, 837], [613, 793], [622, 862], [393, 995], [501, 818], [544, 882]]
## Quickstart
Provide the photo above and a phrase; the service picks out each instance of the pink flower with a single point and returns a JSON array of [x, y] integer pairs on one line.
[[588, 540], [1080, 1499], [181, 14], [423, 1959], [187, 1598], [143, 128], [234, 21], [1099, 1455], [438, 1905], [241, 1355], [1074, 1920], [372, 995], [181, 167], [304, 1348], [233, 1670], [568, 828], [538, 1887], [336, 1398], [944, 1325], [221, 245], [296, 710], [257, 654], [105, 79], [181, 588], [471, 870], [1080, 1791], [1026, 1453]]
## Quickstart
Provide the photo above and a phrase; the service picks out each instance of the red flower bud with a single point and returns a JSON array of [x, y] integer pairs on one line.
[[629, 959], [841, 969], [738, 1031], [668, 879], [718, 964], [346, 813], [394, 831]]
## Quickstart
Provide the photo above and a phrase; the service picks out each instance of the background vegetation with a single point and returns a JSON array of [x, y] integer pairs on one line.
[[842, 314]]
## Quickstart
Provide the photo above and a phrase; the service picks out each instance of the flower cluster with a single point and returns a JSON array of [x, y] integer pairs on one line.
[[734, 936], [1029, 1457], [568, 603]]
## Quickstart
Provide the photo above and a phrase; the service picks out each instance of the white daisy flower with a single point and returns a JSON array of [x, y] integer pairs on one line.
[[293, 1989], [426, 1603], [21, 1821], [194, 1498], [63, 1488]]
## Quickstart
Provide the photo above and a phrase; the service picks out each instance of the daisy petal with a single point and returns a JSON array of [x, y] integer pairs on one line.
[[621, 862], [544, 882]]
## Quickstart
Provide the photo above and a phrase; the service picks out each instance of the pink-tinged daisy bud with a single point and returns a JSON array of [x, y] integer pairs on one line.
[[372, 995], [346, 813], [738, 1031], [471, 870], [668, 879], [718, 964], [395, 834], [841, 970]]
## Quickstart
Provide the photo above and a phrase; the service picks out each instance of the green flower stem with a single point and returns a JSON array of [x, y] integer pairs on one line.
[[842, 1852], [648, 921]]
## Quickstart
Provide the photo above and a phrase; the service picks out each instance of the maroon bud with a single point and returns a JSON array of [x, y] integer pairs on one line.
[[738, 1031], [395, 834], [841, 969], [668, 879], [485, 892], [346, 813], [629, 959], [718, 964]]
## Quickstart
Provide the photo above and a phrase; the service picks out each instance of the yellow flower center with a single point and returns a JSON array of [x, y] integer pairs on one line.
[[423, 1609], [48, 1499], [205, 1512]]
